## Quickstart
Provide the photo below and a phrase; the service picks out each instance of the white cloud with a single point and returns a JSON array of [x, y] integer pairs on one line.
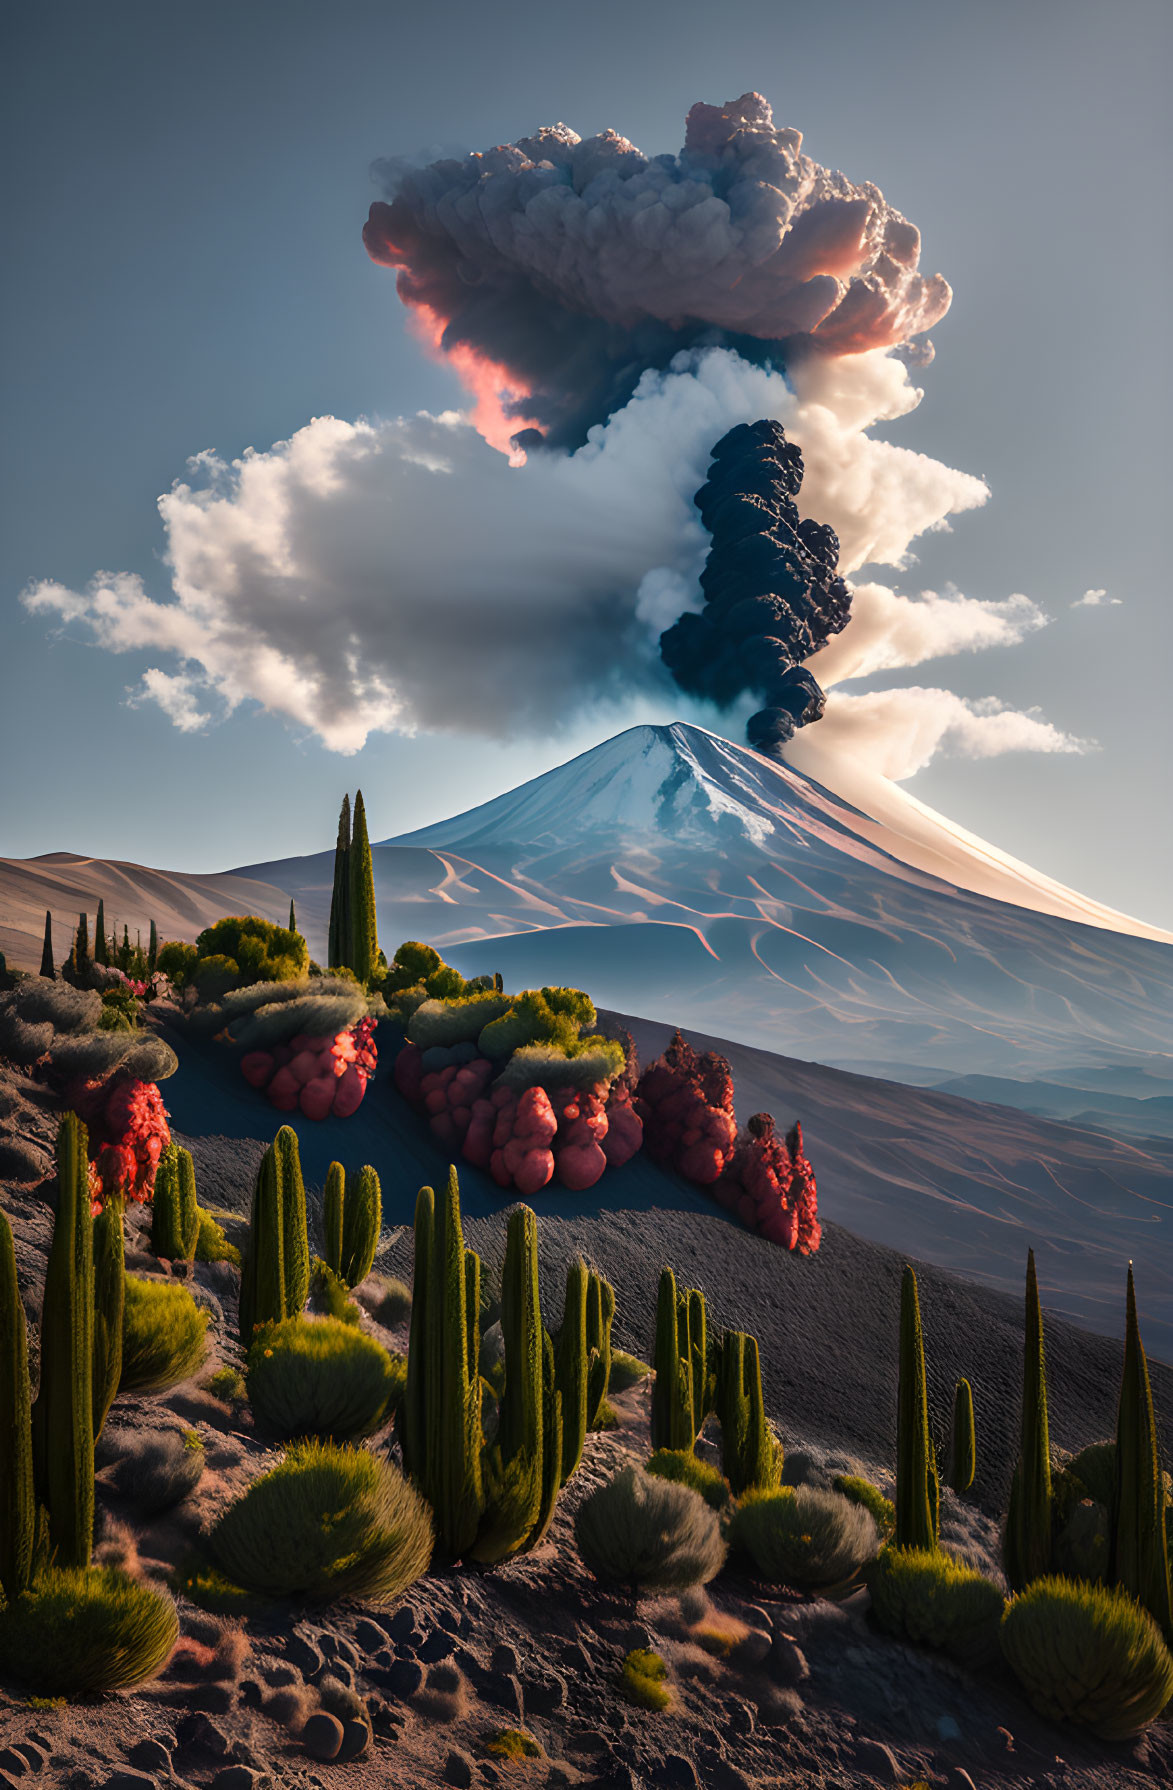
[[897, 732], [887, 631], [1096, 599], [175, 695], [366, 577]]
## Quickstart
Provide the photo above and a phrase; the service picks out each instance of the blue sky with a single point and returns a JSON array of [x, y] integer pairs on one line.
[[185, 195]]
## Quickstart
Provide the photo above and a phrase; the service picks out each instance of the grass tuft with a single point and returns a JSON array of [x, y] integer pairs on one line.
[[80, 1632], [164, 1336], [644, 1680]]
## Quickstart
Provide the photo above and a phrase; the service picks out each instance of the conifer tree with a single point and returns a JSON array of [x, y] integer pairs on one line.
[[101, 943], [362, 1218], [124, 953], [333, 1202], [1139, 1541], [292, 916], [63, 1427], [17, 1499], [153, 949], [338, 948], [295, 1249], [47, 966], [364, 945], [81, 945], [916, 1469], [1027, 1548]]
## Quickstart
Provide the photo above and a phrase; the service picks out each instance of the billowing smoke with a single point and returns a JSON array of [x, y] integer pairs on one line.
[[773, 594], [554, 271]]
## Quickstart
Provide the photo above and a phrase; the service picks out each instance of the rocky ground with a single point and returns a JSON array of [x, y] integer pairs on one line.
[[808, 1693]]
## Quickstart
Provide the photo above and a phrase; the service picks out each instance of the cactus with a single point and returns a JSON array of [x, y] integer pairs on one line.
[[17, 1500], [698, 1358], [262, 1281], [295, 1239], [362, 1217], [962, 1454], [917, 1495], [175, 1213], [680, 1364], [47, 966], [1139, 1544], [600, 1312], [472, 1313], [332, 1205], [751, 1460], [63, 1429], [109, 1305], [572, 1368], [413, 1424], [553, 1476], [1027, 1544]]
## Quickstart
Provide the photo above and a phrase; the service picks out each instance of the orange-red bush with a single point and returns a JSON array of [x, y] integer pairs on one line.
[[322, 1077]]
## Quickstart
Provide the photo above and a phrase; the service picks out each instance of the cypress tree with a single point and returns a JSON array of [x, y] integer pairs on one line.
[[338, 949], [413, 1424], [17, 1499], [571, 1368], [81, 945], [124, 954], [175, 1213], [1139, 1542], [295, 1246], [292, 916], [362, 1217], [333, 1200], [47, 966], [101, 942], [916, 1471], [109, 1306], [63, 1426], [153, 949], [1027, 1549], [599, 1317], [364, 948], [963, 1457], [262, 1279]]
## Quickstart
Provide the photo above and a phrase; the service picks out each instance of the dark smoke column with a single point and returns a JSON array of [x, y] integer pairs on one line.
[[773, 594]]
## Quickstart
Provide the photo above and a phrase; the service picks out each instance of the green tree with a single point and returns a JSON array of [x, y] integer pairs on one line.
[[63, 1426], [81, 945], [339, 949], [101, 942], [153, 951], [364, 938], [1139, 1540], [1027, 1548], [47, 965]]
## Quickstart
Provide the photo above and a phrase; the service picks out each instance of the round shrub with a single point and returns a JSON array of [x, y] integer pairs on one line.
[[78, 1633], [683, 1467], [644, 1679], [161, 1471], [802, 1536], [648, 1533], [1088, 1654], [163, 1335], [626, 1370], [327, 1522], [932, 1600], [321, 1377], [862, 1491]]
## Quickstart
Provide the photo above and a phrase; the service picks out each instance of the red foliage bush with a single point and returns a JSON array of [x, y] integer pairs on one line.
[[770, 1184], [686, 1104], [128, 1132], [523, 1138], [322, 1077]]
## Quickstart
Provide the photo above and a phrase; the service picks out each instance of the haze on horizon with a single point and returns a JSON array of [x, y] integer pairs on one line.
[[218, 297]]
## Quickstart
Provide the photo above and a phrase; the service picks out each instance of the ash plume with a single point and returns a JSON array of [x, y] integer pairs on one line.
[[773, 594], [558, 269]]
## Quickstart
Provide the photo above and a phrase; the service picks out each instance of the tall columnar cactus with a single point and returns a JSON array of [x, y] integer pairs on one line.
[[338, 947], [63, 1416], [295, 1239], [698, 1358], [101, 943], [47, 965], [361, 1221], [1139, 1542], [751, 1460], [472, 1313], [413, 1416], [453, 1402], [333, 1201], [552, 1478], [109, 1306], [262, 1280], [917, 1492], [17, 1500], [600, 1312], [364, 947], [175, 1213], [963, 1458], [572, 1368], [1027, 1547], [680, 1393]]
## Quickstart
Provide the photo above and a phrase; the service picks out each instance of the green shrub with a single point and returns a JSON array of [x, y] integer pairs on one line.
[[933, 1600], [627, 1370], [511, 1743], [159, 1472], [1082, 1546], [643, 1679], [81, 1632], [392, 1306], [683, 1467], [209, 1590], [321, 1377], [329, 1296], [805, 1537], [862, 1491], [1094, 1468], [251, 950], [459, 1021], [583, 1065], [328, 1522], [163, 1335], [1088, 1655], [211, 1243], [227, 1383], [648, 1533]]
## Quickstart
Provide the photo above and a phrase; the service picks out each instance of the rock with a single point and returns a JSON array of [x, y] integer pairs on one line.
[[22, 1759], [779, 1708], [676, 1772], [279, 1672], [959, 1779], [546, 1694], [369, 1636], [503, 1692], [947, 1728], [150, 1755], [788, 1663], [403, 1627], [128, 1780], [451, 1620], [719, 1774], [239, 1777], [877, 1760], [504, 1659], [740, 1717], [438, 1645], [322, 1735], [201, 1734], [252, 1693], [347, 1652], [753, 1647], [405, 1678], [356, 1738], [301, 1653], [217, 1699], [458, 1769]]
